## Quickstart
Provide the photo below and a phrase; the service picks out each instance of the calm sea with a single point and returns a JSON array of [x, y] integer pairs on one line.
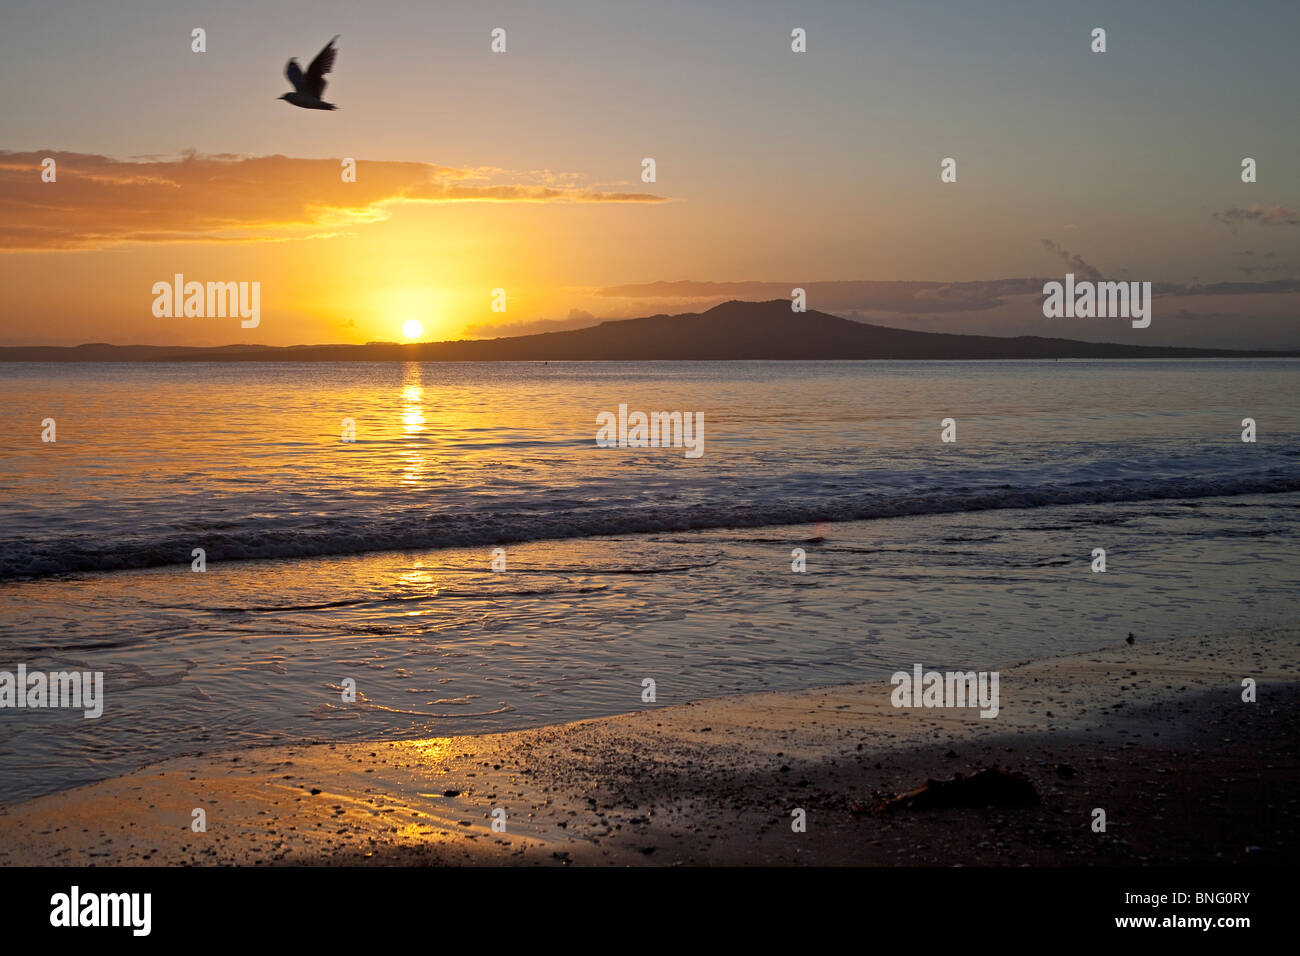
[[370, 561]]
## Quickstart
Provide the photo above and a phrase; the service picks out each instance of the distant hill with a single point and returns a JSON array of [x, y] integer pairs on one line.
[[731, 331]]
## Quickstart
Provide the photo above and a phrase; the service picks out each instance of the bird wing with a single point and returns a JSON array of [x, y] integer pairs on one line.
[[323, 64], [293, 72]]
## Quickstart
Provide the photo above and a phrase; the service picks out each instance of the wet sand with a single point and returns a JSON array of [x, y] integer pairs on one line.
[[1154, 733]]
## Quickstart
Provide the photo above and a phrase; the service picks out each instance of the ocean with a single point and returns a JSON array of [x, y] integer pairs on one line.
[[335, 565]]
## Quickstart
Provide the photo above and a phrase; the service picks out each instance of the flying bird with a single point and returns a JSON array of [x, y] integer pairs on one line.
[[307, 89]]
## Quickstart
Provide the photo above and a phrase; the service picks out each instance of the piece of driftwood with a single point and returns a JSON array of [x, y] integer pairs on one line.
[[991, 787]]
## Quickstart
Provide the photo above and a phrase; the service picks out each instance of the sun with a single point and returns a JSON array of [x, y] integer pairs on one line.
[[412, 328]]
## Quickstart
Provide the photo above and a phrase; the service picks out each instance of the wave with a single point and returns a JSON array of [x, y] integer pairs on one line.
[[265, 539]]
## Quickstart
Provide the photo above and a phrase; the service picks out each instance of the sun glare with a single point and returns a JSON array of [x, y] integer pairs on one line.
[[412, 329]]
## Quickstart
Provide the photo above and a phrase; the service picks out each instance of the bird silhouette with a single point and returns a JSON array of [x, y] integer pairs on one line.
[[307, 89]]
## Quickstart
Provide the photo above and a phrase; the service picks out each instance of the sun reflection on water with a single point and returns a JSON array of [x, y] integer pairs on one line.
[[415, 462]]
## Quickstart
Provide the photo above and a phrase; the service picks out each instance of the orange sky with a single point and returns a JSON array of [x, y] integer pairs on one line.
[[521, 171]]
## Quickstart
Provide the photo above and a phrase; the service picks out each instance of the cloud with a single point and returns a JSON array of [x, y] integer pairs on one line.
[[1074, 260], [931, 297], [578, 319], [1271, 287], [1262, 215], [886, 303], [1188, 315], [98, 201]]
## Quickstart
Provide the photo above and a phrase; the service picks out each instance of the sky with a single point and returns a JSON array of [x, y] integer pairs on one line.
[[522, 170]]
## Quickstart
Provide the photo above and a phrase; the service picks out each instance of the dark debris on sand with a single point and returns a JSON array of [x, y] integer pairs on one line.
[[991, 787]]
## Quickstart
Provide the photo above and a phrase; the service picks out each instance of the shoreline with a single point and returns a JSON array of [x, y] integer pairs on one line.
[[703, 519], [1155, 733]]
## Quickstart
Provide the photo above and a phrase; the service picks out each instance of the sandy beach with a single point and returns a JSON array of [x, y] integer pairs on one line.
[[1155, 733]]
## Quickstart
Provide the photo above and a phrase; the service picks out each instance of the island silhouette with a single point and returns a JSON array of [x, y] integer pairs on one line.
[[732, 331]]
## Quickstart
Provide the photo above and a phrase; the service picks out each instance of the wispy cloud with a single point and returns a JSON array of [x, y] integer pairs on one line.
[[98, 201], [1187, 315], [837, 296], [1074, 260], [1261, 215], [867, 300], [578, 319]]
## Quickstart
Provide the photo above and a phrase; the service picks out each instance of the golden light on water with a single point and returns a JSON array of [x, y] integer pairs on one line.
[[412, 328], [414, 465]]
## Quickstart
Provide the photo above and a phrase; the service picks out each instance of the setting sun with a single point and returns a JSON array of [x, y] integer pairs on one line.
[[412, 329]]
